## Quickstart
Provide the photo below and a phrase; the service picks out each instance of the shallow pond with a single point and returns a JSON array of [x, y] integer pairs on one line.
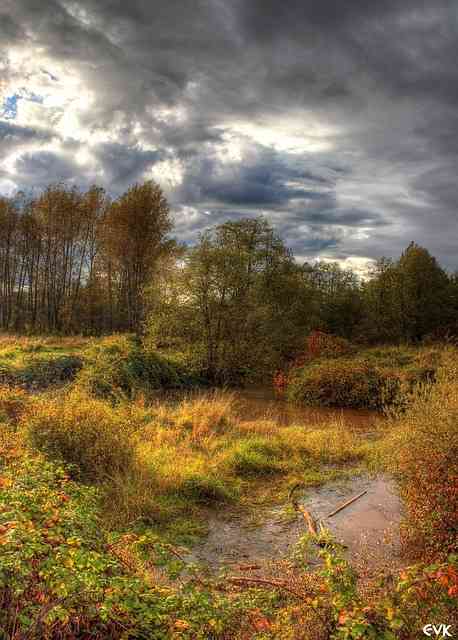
[[369, 528]]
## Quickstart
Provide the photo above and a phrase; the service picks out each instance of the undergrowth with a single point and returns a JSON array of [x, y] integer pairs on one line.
[[96, 483]]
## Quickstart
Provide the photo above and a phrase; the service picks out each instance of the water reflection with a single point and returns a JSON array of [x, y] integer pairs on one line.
[[262, 404]]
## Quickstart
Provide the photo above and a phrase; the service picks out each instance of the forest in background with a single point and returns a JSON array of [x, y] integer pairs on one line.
[[79, 262]]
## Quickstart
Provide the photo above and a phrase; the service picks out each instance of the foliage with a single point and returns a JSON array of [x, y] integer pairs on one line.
[[423, 449], [338, 299], [338, 384], [13, 403], [74, 261], [84, 432], [62, 576], [118, 366], [41, 371], [373, 379], [421, 593], [408, 299], [325, 345], [237, 301]]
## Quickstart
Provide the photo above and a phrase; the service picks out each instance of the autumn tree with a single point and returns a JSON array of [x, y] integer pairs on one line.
[[135, 230]]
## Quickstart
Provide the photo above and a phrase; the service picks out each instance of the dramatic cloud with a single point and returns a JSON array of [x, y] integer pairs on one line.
[[337, 120]]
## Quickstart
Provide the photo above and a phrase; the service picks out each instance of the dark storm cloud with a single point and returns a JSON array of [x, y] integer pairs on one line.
[[38, 169], [264, 178], [10, 31], [171, 81], [13, 136], [124, 165]]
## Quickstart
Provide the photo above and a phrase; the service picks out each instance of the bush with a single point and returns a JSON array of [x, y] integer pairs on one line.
[[338, 383], [423, 449], [118, 366], [326, 345], [374, 379], [62, 576], [84, 432]]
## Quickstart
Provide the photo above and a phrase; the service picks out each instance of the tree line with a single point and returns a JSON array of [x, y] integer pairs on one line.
[[75, 261], [238, 302]]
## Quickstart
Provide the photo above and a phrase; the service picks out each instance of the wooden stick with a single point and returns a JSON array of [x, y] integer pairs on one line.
[[309, 520], [345, 504], [280, 584]]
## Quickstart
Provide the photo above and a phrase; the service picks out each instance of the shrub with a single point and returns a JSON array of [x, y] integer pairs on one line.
[[118, 366], [361, 382], [326, 345], [423, 449], [63, 577], [84, 432], [338, 383]]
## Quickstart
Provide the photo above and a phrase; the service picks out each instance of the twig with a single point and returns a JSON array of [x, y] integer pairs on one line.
[[345, 504], [280, 584], [311, 525]]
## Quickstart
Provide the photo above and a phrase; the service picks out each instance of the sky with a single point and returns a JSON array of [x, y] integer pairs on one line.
[[337, 120]]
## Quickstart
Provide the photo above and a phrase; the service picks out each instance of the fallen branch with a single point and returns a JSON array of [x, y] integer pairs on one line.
[[279, 584], [346, 504], [311, 524]]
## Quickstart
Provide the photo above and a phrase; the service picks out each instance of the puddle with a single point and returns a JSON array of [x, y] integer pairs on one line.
[[369, 528]]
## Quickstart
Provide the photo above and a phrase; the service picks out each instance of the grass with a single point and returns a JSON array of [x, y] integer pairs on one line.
[[159, 462], [96, 485], [112, 367], [37, 363]]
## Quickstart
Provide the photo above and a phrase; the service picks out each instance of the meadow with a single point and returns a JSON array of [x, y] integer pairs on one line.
[[114, 457]]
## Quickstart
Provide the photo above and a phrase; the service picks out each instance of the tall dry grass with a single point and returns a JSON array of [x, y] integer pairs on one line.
[[157, 460]]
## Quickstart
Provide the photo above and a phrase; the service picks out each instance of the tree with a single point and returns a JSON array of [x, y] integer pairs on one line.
[[338, 298], [408, 299], [135, 235], [423, 292], [234, 299]]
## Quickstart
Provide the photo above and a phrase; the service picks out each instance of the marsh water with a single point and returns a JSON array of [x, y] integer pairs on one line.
[[255, 541], [257, 537], [261, 403]]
